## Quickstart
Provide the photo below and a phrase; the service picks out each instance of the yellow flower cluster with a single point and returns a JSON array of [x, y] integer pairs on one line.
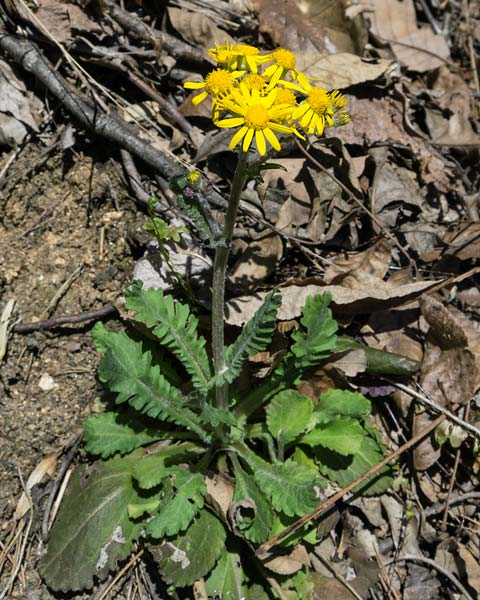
[[265, 95]]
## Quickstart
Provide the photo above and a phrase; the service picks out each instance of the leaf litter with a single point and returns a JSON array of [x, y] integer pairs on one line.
[[393, 215]]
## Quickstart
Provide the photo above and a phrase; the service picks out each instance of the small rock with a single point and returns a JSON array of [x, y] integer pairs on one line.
[[46, 383]]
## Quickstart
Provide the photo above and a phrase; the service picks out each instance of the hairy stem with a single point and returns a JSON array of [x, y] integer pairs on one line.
[[219, 273]]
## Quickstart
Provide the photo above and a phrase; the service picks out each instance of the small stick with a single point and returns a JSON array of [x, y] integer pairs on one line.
[[99, 313], [63, 289], [434, 565], [120, 574], [324, 506]]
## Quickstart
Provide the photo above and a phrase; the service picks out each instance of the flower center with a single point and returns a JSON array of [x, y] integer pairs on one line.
[[284, 58], [285, 96], [218, 82], [254, 81], [257, 117], [318, 100], [246, 50]]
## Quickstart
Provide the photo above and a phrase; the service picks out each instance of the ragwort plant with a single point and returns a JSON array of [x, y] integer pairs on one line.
[[181, 428]]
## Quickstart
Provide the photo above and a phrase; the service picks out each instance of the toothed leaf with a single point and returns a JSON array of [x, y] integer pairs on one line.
[[255, 336], [175, 327], [316, 340], [288, 415], [128, 370], [342, 435]]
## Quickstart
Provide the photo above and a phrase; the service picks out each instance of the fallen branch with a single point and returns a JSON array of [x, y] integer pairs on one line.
[[89, 315]]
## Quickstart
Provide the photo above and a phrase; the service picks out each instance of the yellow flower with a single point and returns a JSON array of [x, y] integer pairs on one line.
[[254, 81], [217, 83], [248, 57], [257, 116], [284, 61], [320, 108], [223, 54]]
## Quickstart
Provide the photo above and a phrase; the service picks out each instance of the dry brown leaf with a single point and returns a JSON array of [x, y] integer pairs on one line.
[[313, 27], [63, 21], [327, 588], [351, 363], [395, 22], [454, 131], [197, 28], [443, 325], [451, 91], [340, 71], [288, 564], [375, 261], [220, 491], [462, 241], [260, 259], [46, 467], [345, 301], [471, 565]]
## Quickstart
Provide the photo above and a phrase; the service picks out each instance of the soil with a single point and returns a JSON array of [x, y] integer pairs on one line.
[[60, 216]]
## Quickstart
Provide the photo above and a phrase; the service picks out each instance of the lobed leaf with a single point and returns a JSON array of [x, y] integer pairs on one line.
[[92, 524], [254, 511], [289, 486], [316, 341], [110, 432], [128, 370], [344, 469], [342, 435], [342, 403], [175, 327], [226, 579], [193, 554], [255, 336], [151, 469], [179, 508], [288, 415]]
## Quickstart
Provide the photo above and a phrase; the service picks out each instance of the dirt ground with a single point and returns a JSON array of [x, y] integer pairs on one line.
[[58, 219]]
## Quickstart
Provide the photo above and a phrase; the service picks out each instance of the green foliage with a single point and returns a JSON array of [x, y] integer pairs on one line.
[[128, 370], [255, 336], [342, 435], [182, 501], [191, 555], [274, 443], [316, 340], [226, 579], [92, 530], [379, 361], [110, 432], [175, 327], [288, 415]]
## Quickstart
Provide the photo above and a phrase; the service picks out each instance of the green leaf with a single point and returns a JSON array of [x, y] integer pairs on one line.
[[177, 512], [176, 328], [214, 416], [225, 581], [288, 415], [193, 554], [379, 361], [342, 403], [255, 518], [128, 370], [92, 530], [290, 486], [344, 470], [110, 432], [144, 505], [255, 336], [151, 469], [342, 435], [316, 341]]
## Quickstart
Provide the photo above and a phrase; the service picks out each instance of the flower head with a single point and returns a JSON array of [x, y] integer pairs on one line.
[[284, 62], [256, 116], [217, 83]]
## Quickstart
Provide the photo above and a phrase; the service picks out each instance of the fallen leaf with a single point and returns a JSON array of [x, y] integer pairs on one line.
[[197, 28], [345, 301], [260, 259], [454, 131], [375, 261], [220, 491], [395, 22], [63, 21], [288, 564], [351, 363], [471, 565], [46, 467]]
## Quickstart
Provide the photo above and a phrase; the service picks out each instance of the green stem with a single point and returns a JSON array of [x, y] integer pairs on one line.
[[219, 274]]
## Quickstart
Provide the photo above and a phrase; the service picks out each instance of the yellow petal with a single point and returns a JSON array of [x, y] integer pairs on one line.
[[260, 139], [247, 140], [280, 128], [199, 98], [272, 138], [234, 122], [194, 85], [237, 137]]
